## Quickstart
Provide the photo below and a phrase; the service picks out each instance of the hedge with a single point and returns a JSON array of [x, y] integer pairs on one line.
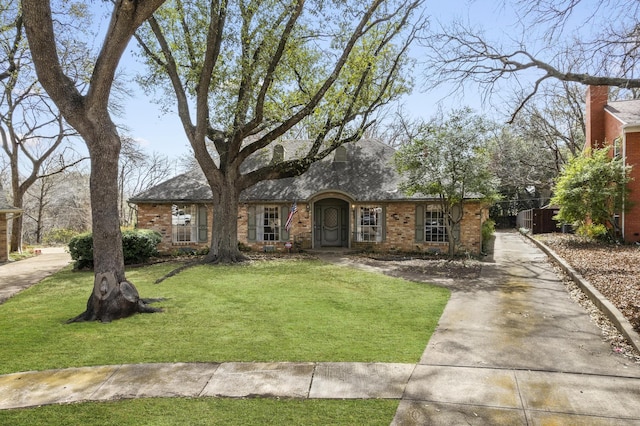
[[137, 247]]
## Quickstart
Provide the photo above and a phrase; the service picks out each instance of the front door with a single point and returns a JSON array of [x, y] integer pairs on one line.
[[330, 226], [331, 223]]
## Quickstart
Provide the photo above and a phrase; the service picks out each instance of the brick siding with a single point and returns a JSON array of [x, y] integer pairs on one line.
[[608, 128], [399, 220], [632, 217]]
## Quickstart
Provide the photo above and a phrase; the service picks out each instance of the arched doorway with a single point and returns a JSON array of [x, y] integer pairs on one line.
[[331, 223]]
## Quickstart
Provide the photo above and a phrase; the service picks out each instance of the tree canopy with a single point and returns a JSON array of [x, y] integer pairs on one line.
[[32, 129], [584, 41], [449, 159], [245, 74]]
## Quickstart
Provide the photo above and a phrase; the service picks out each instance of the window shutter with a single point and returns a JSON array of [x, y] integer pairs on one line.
[[383, 223], [202, 224], [284, 213], [419, 231], [251, 223]]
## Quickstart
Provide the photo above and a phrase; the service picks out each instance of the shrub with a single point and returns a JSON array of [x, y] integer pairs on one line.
[[81, 250], [488, 228], [137, 247], [594, 232], [591, 189]]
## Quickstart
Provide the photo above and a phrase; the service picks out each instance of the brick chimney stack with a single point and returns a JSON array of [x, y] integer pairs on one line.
[[597, 97]]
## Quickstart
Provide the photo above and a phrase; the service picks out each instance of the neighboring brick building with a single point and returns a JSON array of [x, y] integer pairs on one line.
[[350, 200], [6, 211], [617, 124]]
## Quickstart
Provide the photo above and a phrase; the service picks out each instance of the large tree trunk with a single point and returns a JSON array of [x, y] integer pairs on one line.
[[16, 227], [224, 239], [113, 297]]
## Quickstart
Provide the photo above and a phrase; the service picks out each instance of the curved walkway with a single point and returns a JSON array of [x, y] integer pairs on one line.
[[511, 348], [16, 276]]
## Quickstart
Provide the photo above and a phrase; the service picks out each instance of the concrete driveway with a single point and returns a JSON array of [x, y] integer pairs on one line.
[[513, 348], [16, 276]]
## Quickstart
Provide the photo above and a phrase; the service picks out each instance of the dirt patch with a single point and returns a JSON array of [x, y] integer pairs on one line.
[[427, 267]]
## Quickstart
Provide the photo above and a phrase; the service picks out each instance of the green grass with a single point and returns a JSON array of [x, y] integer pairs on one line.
[[208, 411], [265, 311]]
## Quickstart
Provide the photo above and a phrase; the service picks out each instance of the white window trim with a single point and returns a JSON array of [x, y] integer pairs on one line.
[[432, 214], [372, 231], [260, 223], [181, 231]]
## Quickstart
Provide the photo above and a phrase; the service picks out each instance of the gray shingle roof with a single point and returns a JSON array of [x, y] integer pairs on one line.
[[626, 111], [367, 175]]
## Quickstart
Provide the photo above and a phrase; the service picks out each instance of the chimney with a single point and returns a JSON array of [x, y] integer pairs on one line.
[[597, 97]]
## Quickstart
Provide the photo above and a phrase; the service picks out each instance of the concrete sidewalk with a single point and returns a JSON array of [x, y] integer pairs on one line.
[[16, 276], [510, 348], [230, 379]]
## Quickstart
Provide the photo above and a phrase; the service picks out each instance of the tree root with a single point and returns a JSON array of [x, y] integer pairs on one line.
[[206, 261], [180, 269]]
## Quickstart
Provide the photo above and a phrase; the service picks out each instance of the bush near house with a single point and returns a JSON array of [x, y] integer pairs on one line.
[[137, 246], [488, 229]]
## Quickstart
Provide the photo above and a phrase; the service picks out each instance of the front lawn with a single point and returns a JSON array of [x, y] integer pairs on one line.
[[208, 411], [288, 310]]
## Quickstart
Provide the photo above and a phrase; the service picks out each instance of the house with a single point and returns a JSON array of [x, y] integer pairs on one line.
[[350, 199], [617, 124], [7, 211]]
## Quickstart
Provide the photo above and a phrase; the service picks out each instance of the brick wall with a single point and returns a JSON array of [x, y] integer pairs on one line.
[[401, 223], [613, 128], [399, 219], [632, 217], [158, 218]]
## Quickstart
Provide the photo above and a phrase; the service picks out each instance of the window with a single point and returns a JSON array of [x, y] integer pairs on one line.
[[189, 223], [434, 229], [430, 224], [266, 223], [270, 224], [617, 148], [369, 224]]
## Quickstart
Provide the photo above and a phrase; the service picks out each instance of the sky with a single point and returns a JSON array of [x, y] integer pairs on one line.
[[163, 133]]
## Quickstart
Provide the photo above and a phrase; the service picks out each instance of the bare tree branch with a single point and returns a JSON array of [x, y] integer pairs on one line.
[[603, 51]]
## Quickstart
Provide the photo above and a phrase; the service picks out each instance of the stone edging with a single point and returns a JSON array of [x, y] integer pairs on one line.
[[608, 308]]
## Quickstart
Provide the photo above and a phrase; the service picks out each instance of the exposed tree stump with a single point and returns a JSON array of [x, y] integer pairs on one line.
[[111, 300]]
